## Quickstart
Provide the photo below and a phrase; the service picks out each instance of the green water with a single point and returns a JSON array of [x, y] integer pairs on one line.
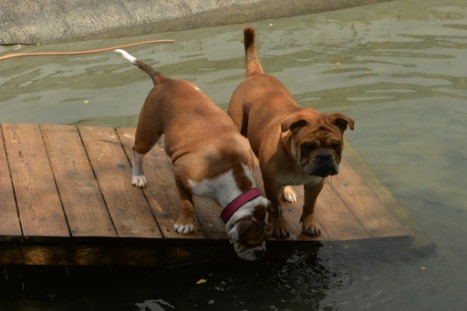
[[398, 68]]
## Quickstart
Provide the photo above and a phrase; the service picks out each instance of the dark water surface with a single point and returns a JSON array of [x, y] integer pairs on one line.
[[398, 68]]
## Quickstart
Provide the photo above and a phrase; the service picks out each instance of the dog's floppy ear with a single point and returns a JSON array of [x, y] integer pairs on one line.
[[260, 213], [341, 121], [240, 227], [293, 122]]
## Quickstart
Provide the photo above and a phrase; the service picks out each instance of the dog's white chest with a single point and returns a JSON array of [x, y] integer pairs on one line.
[[222, 188]]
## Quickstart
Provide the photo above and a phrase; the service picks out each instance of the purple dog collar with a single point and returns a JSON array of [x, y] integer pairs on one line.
[[238, 202]]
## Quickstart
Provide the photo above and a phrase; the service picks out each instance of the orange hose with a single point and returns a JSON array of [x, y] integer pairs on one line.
[[11, 55]]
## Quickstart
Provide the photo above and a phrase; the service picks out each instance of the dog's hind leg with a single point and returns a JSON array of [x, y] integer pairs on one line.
[[137, 177], [186, 219], [145, 139]]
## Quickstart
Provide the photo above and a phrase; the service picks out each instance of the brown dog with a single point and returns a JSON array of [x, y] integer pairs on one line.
[[210, 158], [295, 146]]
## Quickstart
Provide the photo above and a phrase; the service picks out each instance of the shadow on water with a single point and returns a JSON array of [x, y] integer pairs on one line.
[[297, 279], [303, 278]]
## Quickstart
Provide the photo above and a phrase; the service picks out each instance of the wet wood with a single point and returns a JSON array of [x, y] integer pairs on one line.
[[66, 198]]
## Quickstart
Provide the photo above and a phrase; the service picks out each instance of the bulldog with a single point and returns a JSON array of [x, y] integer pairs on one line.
[[209, 155], [294, 146]]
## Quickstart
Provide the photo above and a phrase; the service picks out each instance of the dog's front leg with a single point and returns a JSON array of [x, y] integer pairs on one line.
[[276, 219], [309, 224], [145, 139], [289, 195]]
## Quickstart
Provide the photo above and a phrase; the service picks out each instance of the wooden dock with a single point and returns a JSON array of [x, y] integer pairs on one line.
[[66, 199]]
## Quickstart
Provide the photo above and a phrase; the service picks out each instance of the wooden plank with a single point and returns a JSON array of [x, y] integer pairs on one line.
[[208, 213], [420, 243], [335, 219], [39, 206], [129, 210], [346, 210], [161, 190], [10, 228], [82, 201], [333, 216], [366, 207]]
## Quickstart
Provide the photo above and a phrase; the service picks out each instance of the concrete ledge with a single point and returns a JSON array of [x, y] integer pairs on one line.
[[49, 21]]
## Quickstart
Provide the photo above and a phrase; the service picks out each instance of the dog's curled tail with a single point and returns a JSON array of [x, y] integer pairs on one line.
[[253, 66], [153, 73]]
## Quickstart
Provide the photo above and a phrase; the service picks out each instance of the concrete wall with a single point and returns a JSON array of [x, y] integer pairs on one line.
[[49, 21]]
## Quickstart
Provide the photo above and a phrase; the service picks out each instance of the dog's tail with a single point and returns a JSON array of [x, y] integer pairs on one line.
[[253, 66], [153, 73]]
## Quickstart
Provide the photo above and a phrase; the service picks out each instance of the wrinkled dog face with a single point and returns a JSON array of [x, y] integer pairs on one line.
[[320, 157], [317, 143], [248, 230]]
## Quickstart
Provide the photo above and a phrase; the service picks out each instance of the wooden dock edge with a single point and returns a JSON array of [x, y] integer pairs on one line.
[[134, 252], [421, 243], [166, 253]]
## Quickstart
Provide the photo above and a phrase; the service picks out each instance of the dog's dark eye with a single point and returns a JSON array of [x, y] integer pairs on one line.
[[336, 146], [308, 147]]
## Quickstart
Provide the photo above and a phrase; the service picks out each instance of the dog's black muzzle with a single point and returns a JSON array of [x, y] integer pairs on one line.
[[323, 164]]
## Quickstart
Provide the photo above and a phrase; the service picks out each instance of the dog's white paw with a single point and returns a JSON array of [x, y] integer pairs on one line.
[[183, 228], [138, 181], [289, 195]]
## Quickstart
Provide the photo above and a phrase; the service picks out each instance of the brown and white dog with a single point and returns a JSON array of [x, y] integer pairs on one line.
[[295, 146], [209, 155]]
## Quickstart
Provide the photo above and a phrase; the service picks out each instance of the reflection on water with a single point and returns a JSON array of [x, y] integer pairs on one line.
[[155, 305], [397, 68]]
